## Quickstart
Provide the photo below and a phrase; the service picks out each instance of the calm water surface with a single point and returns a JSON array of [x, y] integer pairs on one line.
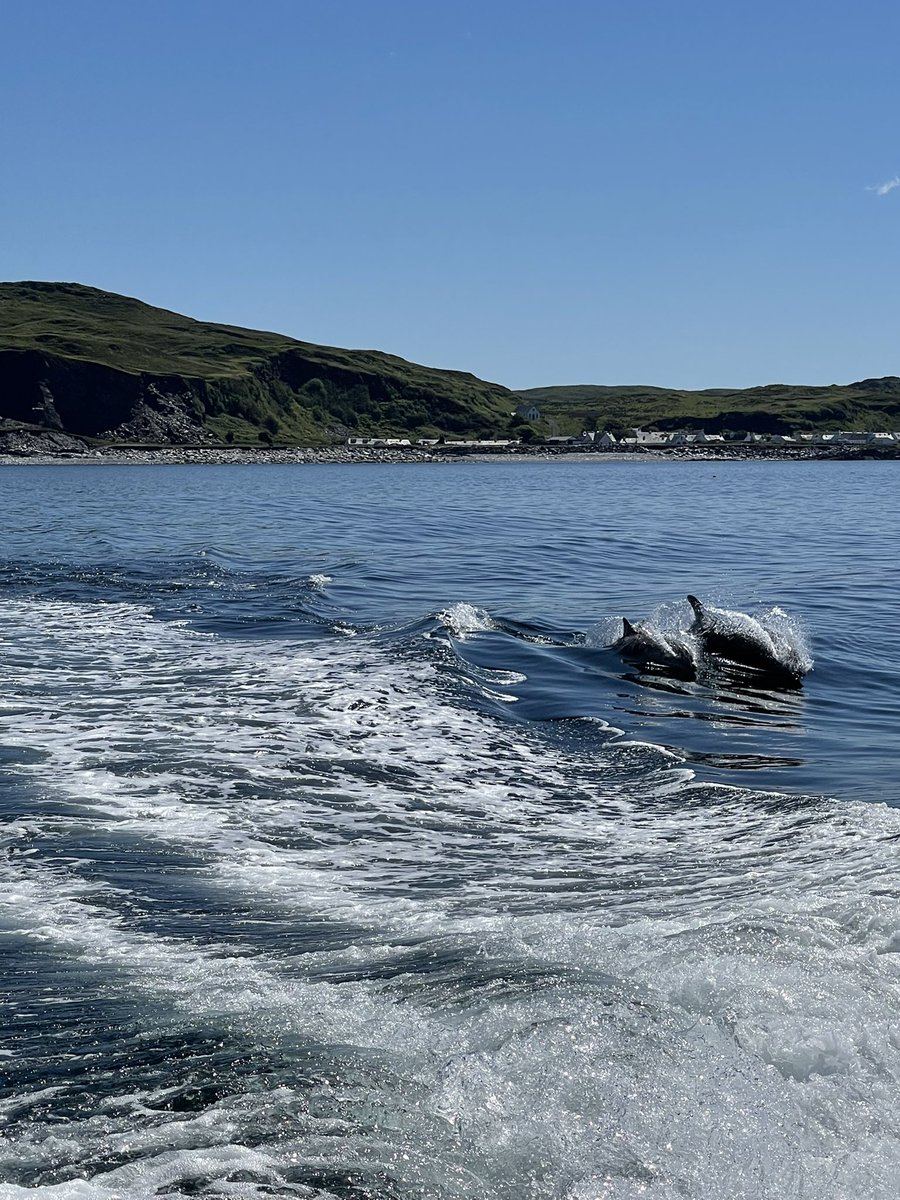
[[344, 858]]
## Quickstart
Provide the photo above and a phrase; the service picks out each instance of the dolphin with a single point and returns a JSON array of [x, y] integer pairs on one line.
[[645, 644], [742, 640]]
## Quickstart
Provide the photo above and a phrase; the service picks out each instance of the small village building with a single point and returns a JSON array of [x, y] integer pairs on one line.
[[528, 412], [646, 437]]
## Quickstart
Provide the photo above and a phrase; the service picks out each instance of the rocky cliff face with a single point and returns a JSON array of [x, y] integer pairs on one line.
[[94, 400], [97, 365]]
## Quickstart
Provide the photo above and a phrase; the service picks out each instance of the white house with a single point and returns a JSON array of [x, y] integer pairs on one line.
[[528, 411], [646, 437]]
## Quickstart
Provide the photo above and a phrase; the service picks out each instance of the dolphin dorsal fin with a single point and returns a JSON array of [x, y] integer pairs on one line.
[[628, 630], [696, 605]]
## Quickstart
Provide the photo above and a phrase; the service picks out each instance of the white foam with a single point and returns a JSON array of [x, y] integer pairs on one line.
[[161, 730], [790, 637], [159, 1173], [464, 619], [624, 981]]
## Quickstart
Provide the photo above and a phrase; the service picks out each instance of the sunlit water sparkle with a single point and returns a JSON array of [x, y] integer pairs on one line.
[[343, 859]]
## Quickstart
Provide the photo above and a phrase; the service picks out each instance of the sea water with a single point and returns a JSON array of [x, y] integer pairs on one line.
[[343, 858]]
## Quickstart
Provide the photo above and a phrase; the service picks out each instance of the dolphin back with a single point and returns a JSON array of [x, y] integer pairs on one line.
[[743, 640]]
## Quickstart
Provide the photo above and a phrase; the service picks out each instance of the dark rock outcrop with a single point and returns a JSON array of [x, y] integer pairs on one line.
[[30, 442], [95, 400]]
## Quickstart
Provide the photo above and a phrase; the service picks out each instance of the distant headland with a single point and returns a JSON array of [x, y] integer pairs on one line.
[[83, 370]]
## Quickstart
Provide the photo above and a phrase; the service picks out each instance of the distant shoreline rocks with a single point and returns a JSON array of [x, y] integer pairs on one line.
[[42, 448]]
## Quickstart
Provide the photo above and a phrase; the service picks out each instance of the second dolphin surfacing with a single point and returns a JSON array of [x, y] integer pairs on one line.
[[745, 642], [643, 643]]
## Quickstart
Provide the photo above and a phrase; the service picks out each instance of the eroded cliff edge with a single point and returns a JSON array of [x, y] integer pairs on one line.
[[92, 364]]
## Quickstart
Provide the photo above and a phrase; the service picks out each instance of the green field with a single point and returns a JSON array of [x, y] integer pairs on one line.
[[871, 404]]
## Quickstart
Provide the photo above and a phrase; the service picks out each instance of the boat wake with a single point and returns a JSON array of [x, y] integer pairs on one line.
[[422, 911]]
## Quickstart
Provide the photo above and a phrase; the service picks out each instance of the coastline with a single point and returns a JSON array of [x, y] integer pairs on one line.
[[352, 455]]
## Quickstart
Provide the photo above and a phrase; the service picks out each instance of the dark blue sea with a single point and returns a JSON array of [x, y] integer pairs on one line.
[[344, 859]]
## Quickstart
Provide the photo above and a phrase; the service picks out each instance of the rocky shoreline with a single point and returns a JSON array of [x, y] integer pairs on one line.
[[58, 449], [217, 456]]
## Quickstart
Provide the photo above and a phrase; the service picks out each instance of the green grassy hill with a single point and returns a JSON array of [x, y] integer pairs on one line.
[[96, 364], [871, 404], [82, 361]]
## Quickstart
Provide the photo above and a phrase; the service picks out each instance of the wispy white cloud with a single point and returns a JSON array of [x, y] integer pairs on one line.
[[882, 189]]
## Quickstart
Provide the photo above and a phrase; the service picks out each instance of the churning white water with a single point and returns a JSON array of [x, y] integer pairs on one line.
[[430, 911]]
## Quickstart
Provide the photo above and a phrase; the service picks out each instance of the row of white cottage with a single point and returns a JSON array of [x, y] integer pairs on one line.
[[680, 437], [484, 443], [651, 439]]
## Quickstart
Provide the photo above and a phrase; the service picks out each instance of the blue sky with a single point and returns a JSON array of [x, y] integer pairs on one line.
[[681, 193]]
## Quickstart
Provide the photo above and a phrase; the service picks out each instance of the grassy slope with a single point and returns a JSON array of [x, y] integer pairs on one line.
[[84, 323], [872, 404], [252, 381], [250, 376]]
